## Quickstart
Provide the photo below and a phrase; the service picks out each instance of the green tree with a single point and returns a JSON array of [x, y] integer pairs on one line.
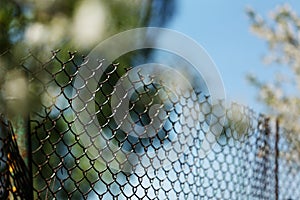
[[39, 27]]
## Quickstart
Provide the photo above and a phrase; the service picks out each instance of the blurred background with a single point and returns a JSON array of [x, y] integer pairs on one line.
[[227, 31], [255, 46]]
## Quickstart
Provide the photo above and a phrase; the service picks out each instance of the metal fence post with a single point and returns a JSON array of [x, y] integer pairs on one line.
[[276, 160]]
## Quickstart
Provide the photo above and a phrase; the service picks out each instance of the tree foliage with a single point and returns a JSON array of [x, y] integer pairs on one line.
[[41, 26], [280, 94]]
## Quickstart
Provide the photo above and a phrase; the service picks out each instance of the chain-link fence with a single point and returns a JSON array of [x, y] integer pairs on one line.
[[80, 149], [15, 177]]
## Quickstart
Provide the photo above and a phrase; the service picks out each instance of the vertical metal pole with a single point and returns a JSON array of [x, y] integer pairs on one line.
[[29, 145], [21, 125], [265, 160], [23, 140], [276, 160], [30, 155]]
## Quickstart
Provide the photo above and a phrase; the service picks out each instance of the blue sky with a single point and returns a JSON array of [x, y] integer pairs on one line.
[[222, 28]]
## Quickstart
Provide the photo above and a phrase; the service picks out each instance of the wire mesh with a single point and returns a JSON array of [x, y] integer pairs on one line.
[[15, 178], [288, 164], [73, 161]]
